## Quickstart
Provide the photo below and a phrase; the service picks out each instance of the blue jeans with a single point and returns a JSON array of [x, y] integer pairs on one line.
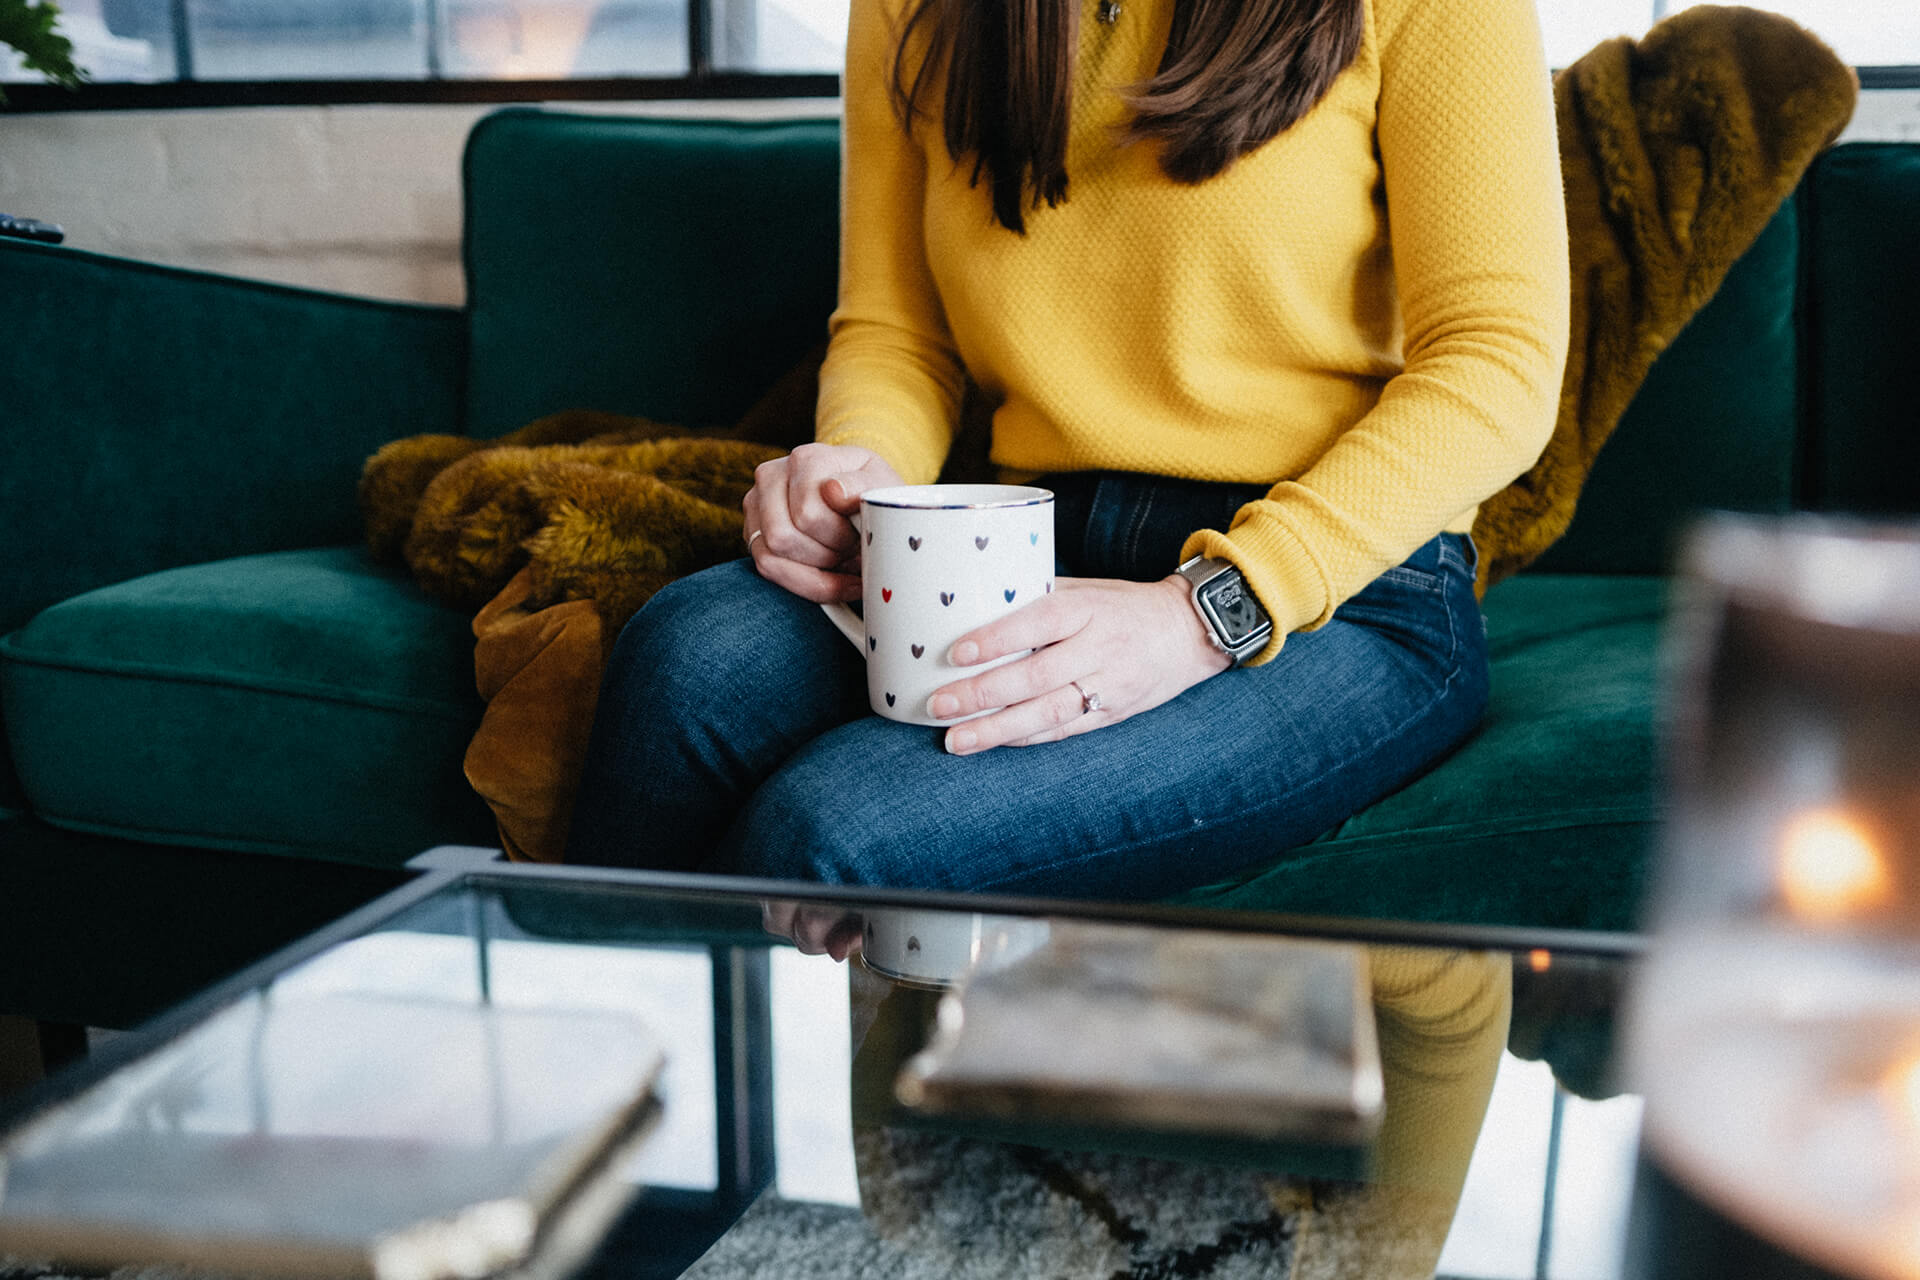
[[733, 733]]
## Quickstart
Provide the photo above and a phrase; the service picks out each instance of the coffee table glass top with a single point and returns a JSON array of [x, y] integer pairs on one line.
[[570, 1073]]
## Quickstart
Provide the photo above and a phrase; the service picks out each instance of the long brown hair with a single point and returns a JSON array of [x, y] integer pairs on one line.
[[1235, 73]]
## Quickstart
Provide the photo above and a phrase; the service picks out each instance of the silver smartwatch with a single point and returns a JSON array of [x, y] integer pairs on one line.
[[1234, 620]]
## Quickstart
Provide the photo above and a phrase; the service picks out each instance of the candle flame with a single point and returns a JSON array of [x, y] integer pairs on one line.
[[1831, 867], [1540, 959], [1902, 1086]]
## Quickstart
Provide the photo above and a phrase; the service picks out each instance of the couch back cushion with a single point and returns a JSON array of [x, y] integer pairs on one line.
[[1715, 424], [667, 268], [1863, 305]]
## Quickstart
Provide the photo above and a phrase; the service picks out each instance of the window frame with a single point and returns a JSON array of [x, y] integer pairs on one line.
[[702, 81]]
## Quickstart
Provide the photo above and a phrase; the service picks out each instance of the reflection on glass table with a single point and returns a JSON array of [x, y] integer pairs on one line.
[[603, 1075]]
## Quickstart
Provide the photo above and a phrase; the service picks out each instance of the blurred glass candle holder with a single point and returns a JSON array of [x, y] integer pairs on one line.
[[1775, 1029]]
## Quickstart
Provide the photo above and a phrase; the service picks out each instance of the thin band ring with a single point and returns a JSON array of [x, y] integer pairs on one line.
[[1088, 701], [750, 537]]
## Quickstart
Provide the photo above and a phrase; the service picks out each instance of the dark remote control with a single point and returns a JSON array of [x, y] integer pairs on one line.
[[29, 229]]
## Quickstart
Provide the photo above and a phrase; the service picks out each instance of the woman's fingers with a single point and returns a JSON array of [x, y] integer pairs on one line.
[[1049, 667], [824, 484], [1048, 620], [1059, 713], [768, 514], [814, 929], [796, 518]]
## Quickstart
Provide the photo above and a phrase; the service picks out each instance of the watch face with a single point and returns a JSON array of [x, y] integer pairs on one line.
[[1233, 607]]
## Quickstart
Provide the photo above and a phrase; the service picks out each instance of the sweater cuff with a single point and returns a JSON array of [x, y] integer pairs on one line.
[[1282, 574]]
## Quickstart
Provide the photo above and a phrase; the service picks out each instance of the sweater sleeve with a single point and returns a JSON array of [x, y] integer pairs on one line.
[[1477, 227], [893, 380]]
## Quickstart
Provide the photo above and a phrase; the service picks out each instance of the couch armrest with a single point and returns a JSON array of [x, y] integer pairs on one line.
[[152, 416]]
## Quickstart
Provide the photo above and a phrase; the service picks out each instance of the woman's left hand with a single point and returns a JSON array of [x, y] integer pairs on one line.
[[1131, 645]]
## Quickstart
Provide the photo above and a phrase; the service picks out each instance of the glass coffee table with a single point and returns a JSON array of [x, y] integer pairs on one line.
[[582, 1073]]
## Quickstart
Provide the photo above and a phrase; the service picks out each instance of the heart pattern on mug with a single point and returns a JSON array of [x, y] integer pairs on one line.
[[1033, 539], [913, 544], [869, 537], [1008, 593], [919, 649], [946, 597], [889, 699], [873, 642], [981, 543], [886, 595]]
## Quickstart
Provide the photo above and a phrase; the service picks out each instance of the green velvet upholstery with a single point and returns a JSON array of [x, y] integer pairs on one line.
[[162, 417], [671, 269], [299, 702], [1864, 298], [1544, 815], [1716, 424]]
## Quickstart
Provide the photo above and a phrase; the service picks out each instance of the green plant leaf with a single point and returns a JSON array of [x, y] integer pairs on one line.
[[29, 26]]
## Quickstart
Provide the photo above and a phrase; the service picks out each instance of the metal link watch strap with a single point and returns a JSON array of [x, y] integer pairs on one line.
[[1198, 572]]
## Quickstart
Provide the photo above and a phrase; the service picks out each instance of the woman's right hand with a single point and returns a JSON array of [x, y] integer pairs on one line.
[[797, 518]]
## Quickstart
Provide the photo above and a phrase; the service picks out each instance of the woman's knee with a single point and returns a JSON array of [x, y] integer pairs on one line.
[[814, 820], [698, 637]]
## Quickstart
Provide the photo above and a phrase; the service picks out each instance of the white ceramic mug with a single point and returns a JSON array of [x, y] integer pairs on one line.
[[935, 949], [936, 561]]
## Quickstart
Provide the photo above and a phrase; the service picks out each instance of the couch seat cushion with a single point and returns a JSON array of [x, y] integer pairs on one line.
[[1545, 816], [303, 702]]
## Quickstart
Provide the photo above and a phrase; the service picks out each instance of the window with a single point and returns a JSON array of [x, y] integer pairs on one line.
[[1863, 32], [651, 48], [140, 41]]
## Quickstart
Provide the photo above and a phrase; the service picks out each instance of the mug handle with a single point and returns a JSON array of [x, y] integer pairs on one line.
[[845, 618], [849, 623]]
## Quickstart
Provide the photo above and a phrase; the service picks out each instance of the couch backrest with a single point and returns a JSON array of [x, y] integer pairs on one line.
[[1862, 307], [674, 268], [668, 268], [1797, 386]]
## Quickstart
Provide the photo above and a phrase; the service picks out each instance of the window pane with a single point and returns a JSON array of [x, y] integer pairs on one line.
[[307, 39], [779, 35], [520, 39], [1571, 27], [1863, 32]]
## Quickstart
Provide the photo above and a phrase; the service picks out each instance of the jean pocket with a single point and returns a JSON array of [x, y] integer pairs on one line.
[[1407, 575]]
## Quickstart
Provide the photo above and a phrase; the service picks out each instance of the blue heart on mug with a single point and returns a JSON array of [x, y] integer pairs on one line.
[[946, 597], [1033, 539], [1008, 593], [980, 543]]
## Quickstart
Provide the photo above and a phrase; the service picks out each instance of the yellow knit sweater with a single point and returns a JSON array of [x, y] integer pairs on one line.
[[1368, 313]]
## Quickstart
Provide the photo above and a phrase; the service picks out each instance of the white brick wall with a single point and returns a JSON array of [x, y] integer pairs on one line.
[[362, 200]]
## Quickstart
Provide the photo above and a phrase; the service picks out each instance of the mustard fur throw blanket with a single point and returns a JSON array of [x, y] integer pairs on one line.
[[1676, 151]]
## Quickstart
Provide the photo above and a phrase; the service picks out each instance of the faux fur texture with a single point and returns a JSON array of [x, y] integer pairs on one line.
[[596, 506], [557, 533], [1676, 151]]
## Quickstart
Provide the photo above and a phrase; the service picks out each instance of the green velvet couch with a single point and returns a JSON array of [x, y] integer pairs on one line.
[[225, 723]]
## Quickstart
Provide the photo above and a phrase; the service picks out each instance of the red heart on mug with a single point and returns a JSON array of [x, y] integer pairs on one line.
[[886, 594]]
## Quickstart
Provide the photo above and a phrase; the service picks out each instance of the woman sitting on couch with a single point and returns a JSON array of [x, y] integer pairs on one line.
[[1276, 284]]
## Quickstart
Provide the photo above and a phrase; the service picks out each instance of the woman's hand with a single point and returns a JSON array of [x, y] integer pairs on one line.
[[797, 525], [816, 928], [1134, 645]]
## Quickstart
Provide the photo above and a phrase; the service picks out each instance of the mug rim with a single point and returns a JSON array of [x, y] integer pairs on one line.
[[1017, 495]]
